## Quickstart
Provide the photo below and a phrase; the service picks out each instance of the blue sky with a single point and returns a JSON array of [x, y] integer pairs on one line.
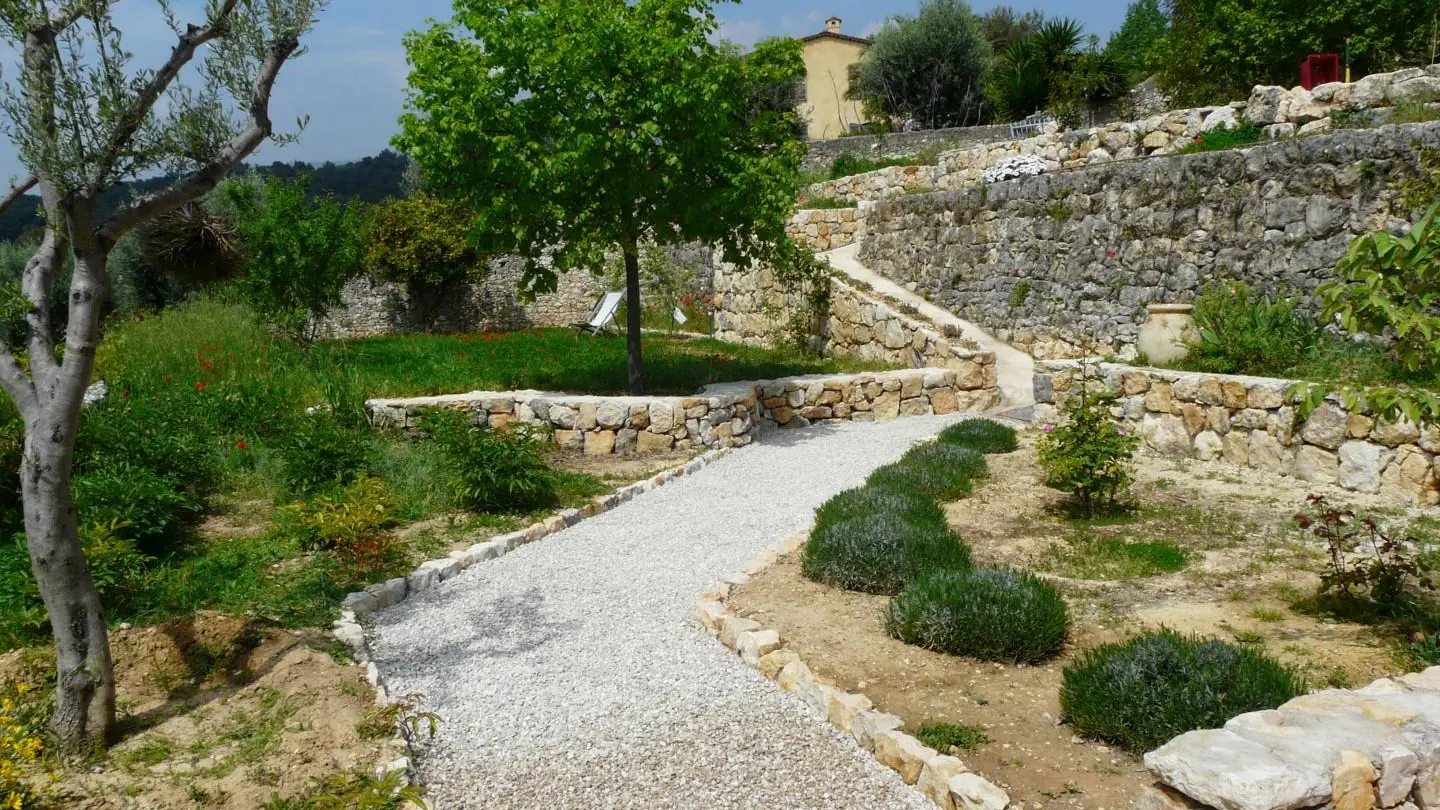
[[351, 82]]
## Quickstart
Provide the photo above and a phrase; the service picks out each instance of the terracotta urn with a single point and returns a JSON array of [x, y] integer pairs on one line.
[[1167, 332]]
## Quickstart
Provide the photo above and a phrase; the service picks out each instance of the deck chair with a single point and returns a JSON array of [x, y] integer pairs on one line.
[[602, 315]]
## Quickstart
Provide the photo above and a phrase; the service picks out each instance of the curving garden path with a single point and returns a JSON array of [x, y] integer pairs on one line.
[[572, 673]]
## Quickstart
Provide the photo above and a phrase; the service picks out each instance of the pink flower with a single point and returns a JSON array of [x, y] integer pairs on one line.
[[1048, 428], [1112, 254], [1120, 432]]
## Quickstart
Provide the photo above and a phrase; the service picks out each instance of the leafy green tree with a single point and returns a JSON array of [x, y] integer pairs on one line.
[[1004, 28], [1136, 46], [577, 126], [299, 251], [1217, 50], [930, 67], [1090, 78], [424, 243]]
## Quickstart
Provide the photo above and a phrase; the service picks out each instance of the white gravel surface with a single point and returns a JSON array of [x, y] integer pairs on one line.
[[572, 672]]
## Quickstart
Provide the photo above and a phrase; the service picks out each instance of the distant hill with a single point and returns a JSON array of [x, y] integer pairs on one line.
[[370, 180]]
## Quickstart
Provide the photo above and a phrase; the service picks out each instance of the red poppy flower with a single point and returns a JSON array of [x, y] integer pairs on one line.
[[241, 446], [199, 386], [1113, 254]]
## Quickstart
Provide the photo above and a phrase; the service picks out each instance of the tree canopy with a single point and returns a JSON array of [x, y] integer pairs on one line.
[[1220, 49], [577, 127], [1136, 47], [930, 67]]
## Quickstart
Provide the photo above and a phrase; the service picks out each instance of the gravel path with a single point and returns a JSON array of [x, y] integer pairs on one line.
[[573, 674]]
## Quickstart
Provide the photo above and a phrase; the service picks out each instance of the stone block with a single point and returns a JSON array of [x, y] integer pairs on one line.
[[758, 644], [902, 753], [712, 614], [611, 415], [1267, 453], [1134, 382], [626, 440], [943, 401], [1166, 435], [1210, 392], [1219, 420], [1362, 464], [1209, 446], [869, 723], [1267, 395], [1327, 426], [844, 708], [662, 417], [585, 419], [918, 406], [972, 792], [1237, 448], [771, 663], [600, 443], [912, 384], [1224, 770], [887, 406], [1316, 465], [1161, 399], [1196, 417], [732, 627], [1159, 797], [1411, 474], [934, 781], [1394, 434], [647, 442]]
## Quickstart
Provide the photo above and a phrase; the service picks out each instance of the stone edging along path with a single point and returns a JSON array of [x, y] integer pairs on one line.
[[943, 779], [347, 628]]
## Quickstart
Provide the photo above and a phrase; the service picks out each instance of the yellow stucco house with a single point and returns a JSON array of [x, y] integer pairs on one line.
[[829, 55]]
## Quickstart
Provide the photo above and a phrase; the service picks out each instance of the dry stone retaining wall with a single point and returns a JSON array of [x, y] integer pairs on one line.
[[752, 308], [1064, 265], [825, 229], [898, 144], [1253, 422], [1377, 747], [893, 181], [724, 416]]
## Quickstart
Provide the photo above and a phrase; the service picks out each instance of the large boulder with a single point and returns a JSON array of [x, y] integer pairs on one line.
[[1264, 106], [1417, 90], [1370, 91]]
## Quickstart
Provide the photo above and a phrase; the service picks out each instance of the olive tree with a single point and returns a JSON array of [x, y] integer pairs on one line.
[[83, 120], [577, 127]]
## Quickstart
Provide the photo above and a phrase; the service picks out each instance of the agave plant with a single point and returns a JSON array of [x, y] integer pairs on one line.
[[193, 245]]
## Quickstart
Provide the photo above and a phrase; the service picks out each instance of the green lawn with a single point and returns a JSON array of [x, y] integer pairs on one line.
[[557, 360]]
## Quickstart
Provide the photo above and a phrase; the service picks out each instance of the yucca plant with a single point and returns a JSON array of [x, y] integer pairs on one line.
[[193, 245]]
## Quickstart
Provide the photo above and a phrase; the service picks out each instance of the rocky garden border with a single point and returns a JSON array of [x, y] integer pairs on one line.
[[943, 779]]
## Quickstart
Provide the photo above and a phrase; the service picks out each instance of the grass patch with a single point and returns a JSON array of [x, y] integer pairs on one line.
[[1416, 113], [1226, 137], [558, 360], [825, 204], [944, 737], [851, 165], [1094, 556], [1268, 615]]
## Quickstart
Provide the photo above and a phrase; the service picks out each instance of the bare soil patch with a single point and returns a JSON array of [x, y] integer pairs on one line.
[[221, 713], [1245, 565]]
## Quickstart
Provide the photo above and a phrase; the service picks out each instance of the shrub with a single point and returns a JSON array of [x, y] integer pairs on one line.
[[880, 553], [493, 470], [994, 614], [323, 453], [424, 243], [141, 504], [192, 245], [299, 251], [1241, 332], [913, 507], [1372, 574], [352, 517], [1089, 456], [23, 731], [1142, 693], [1387, 286], [940, 471], [981, 435]]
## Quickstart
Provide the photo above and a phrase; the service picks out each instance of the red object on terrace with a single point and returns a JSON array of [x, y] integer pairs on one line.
[[1318, 69]]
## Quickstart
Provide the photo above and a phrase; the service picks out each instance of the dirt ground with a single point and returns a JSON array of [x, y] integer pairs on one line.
[[1247, 565], [220, 713]]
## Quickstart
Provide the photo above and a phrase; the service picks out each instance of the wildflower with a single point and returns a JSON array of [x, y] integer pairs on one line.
[[1120, 432], [199, 386], [1048, 428], [241, 446], [1112, 254]]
